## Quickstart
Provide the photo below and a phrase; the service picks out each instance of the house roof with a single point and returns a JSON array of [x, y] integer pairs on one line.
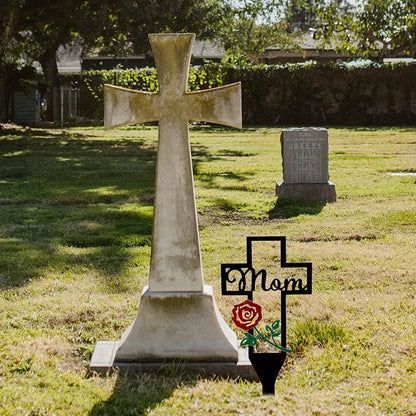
[[69, 57], [305, 42], [308, 48]]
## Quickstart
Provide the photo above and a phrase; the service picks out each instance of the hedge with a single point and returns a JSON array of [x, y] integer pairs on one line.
[[297, 94], [144, 79]]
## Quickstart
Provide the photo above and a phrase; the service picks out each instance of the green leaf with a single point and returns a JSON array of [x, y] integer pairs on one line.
[[250, 340], [276, 324], [244, 342]]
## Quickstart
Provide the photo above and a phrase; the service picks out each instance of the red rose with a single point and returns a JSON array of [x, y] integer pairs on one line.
[[246, 315]]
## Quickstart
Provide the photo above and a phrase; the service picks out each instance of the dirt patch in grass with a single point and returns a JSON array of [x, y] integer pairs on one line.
[[353, 237], [212, 216]]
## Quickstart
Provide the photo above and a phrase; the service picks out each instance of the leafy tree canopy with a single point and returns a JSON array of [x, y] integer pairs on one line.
[[252, 26], [373, 28]]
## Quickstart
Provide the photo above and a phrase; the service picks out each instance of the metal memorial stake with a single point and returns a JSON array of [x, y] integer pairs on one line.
[[242, 279]]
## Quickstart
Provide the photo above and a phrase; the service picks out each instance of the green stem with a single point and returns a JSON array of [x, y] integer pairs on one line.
[[273, 343]]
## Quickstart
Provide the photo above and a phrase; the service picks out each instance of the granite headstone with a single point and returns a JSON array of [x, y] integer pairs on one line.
[[305, 165]]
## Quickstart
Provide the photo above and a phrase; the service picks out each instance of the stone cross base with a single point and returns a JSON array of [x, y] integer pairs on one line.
[[172, 326], [314, 192], [103, 362]]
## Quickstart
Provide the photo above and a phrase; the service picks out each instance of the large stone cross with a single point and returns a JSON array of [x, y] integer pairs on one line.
[[176, 259], [178, 317]]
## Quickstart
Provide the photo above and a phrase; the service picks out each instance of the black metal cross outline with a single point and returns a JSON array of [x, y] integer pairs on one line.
[[226, 268]]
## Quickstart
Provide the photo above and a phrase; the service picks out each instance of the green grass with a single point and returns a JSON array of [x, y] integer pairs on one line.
[[76, 209]]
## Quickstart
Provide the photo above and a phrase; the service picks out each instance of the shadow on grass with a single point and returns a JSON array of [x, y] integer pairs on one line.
[[68, 202], [71, 201], [138, 394], [288, 208], [201, 154], [61, 240]]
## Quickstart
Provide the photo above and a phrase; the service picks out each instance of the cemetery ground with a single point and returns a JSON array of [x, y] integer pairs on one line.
[[75, 234]]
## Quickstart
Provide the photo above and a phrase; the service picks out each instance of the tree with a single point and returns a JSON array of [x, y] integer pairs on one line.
[[44, 26], [374, 28], [252, 26], [116, 26], [127, 25]]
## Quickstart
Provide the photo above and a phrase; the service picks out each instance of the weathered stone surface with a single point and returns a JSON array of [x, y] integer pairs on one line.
[[305, 155], [314, 192], [177, 318], [172, 325], [103, 362], [176, 260], [305, 165]]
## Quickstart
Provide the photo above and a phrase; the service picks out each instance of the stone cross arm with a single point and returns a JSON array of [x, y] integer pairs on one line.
[[220, 105]]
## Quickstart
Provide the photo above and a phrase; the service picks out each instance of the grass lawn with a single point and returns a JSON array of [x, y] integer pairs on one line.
[[76, 210]]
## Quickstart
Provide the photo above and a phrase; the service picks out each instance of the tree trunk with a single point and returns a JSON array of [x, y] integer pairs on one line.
[[8, 22], [50, 71]]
